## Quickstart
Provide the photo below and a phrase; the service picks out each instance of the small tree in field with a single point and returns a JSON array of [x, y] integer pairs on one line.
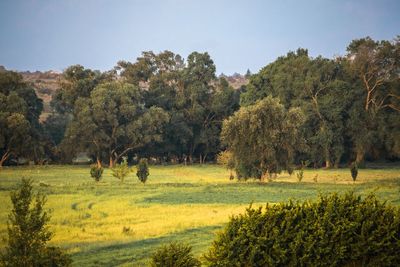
[[300, 173], [120, 171], [354, 171], [142, 170], [28, 234], [226, 159], [96, 172]]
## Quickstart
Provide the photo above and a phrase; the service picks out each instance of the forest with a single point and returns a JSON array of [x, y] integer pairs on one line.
[[173, 110]]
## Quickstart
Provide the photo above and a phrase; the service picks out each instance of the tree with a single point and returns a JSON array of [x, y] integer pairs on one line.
[[263, 136], [19, 117], [354, 171], [377, 63], [317, 86], [96, 171], [373, 68], [115, 121], [28, 233], [120, 171], [77, 82], [142, 170]]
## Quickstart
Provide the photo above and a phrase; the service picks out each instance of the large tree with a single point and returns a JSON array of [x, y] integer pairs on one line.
[[114, 121], [373, 68], [317, 87], [196, 102], [20, 109], [263, 137]]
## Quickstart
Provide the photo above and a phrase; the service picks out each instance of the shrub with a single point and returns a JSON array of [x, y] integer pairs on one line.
[[336, 230], [226, 159], [28, 233], [142, 170], [96, 172], [245, 171], [174, 255], [120, 171], [354, 171], [300, 175], [290, 170]]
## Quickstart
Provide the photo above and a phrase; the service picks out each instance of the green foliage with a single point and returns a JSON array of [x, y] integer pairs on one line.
[[20, 109], [142, 170], [120, 171], [290, 170], [336, 230], [226, 159], [28, 233], [263, 137], [174, 255], [300, 175], [114, 119], [354, 171], [96, 172]]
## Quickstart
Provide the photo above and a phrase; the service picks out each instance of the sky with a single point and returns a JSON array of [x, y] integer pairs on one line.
[[239, 35]]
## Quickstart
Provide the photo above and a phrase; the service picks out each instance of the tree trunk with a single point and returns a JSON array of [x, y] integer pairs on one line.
[[336, 164], [4, 158], [112, 162], [328, 164], [360, 157], [201, 159], [98, 162]]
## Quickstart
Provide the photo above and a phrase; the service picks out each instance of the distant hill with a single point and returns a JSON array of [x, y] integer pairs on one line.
[[235, 80]]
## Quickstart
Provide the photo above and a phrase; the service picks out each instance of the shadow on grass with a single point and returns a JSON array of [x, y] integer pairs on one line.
[[245, 193], [138, 253]]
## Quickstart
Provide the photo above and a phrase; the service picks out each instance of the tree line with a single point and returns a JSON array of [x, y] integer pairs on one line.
[[326, 111]]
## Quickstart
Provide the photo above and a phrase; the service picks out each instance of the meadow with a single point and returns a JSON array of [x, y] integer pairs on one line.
[[113, 224]]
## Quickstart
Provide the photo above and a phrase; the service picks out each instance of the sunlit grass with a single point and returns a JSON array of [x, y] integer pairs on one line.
[[109, 223]]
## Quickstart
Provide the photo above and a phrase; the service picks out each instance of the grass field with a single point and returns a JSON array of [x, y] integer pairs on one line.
[[114, 224]]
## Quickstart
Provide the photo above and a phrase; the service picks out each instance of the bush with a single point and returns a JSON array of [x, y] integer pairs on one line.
[[300, 175], [28, 233], [142, 170], [96, 172], [333, 231], [244, 171], [354, 171], [120, 171], [226, 159], [174, 255]]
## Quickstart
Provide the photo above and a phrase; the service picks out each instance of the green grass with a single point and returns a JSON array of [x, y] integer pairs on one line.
[[177, 203]]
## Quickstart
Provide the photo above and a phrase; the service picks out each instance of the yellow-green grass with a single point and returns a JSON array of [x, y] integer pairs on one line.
[[178, 203]]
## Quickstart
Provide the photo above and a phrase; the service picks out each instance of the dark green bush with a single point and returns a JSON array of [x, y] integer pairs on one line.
[[96, 172], [142, 170], [354, 171], [244, 172], [174, 255], [336, 230]]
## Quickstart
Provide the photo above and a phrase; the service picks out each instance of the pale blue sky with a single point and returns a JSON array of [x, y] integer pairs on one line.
[[54, 34]]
